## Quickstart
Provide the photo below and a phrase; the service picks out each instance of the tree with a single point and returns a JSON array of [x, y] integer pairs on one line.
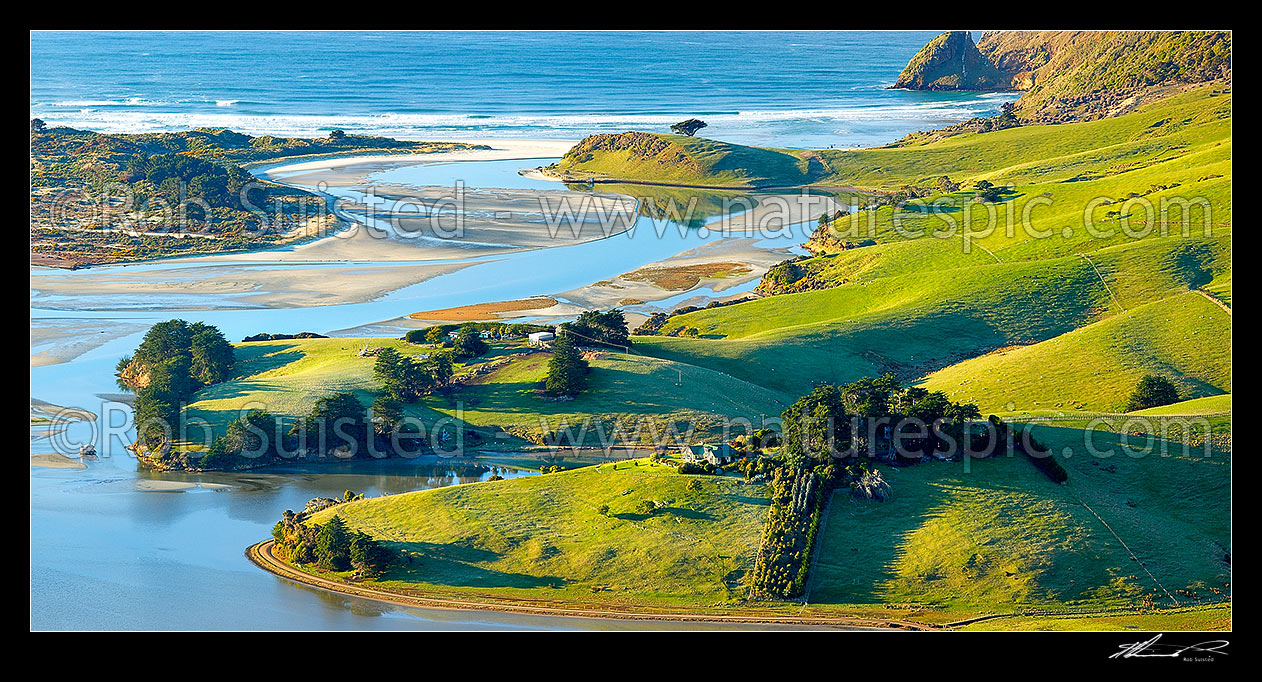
[[387, 413], [389, 370], [337, 134], [37, 125], [252, 435], [1152, 391], [438, 367], [332, 550], [212, 358], [688, 127], [567, 370], [946, 184], [990, 195], [814, 426], [405, 380], [335, 421], [607, 328], [468, 344], [435, 335], [366, 555]]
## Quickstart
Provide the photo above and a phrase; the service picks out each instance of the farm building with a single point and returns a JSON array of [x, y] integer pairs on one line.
[[540, 338], [714, 454]]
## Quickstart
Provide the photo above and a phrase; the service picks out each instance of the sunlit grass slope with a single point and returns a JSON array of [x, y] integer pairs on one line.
[[287, 377], [544, 536], [996, 535], [1185, 338]]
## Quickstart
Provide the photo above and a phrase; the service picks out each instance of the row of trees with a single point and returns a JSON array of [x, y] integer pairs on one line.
[[175, 359], [336, 424], [439, 334], [596, 328]]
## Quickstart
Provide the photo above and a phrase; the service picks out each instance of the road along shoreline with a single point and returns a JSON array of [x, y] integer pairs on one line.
[[261, 555]]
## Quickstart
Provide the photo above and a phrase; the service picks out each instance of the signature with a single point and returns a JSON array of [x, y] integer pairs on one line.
[[1152, 649]]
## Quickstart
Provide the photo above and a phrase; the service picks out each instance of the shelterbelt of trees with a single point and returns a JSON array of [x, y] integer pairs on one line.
[[831, 437]]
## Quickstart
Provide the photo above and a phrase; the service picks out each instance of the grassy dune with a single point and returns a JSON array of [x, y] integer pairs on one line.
[[678, 159]]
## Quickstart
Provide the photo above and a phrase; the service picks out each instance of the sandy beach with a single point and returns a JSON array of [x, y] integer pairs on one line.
[[57, 340], [348, 171], [360, 264]]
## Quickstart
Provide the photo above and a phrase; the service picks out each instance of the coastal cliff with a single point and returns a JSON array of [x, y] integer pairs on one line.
[[1072, 75], [951, 62]]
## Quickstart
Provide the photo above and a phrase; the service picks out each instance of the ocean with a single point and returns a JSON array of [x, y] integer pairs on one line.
[[785, 89]]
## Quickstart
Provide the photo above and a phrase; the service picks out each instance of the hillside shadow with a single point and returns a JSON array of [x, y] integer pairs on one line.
[[455, 565], [863, 543], [256, 359]]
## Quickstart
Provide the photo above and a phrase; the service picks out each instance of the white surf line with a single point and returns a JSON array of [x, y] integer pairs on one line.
[[1106, 284], [1134, 558]]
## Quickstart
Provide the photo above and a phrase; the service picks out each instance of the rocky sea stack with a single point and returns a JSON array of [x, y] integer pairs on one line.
[[951, 61]]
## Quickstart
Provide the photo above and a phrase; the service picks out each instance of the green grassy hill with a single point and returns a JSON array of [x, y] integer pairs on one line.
[[997, 535], [544, 537], [956, 540], [285, 377], [678, 159], [1095, 368], [915, 303]]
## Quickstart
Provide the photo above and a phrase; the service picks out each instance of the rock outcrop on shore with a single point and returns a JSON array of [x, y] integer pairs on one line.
[[1071, 75], [951, 62]]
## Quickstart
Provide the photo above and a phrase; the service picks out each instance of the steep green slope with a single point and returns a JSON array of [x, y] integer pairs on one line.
[[923, 319], [1184, 338], [996, 536]]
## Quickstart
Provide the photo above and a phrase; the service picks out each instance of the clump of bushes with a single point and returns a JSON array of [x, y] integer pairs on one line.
[[1152, 391], [175, 359], [331, 546]]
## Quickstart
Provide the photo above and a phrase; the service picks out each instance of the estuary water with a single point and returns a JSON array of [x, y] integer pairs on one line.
[[113, 547]]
